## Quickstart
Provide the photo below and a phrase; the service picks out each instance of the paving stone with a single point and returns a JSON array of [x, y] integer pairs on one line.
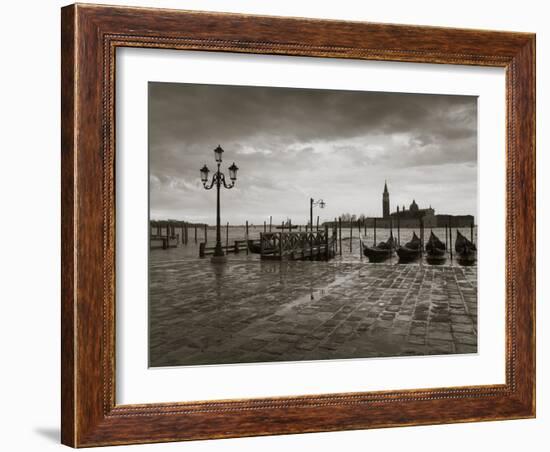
[[421, 340], [469, 339], [439, 335], [464, 348]]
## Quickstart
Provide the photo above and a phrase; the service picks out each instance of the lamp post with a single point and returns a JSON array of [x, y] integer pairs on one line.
[[218, 179], [313, 203]]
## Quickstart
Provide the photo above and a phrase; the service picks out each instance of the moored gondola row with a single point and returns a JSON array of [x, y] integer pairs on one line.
[[435, 250]]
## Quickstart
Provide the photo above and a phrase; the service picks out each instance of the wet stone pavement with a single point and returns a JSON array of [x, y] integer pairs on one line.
[[251, 311]]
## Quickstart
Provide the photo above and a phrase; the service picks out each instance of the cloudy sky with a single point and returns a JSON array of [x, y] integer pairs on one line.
[[293, 144]]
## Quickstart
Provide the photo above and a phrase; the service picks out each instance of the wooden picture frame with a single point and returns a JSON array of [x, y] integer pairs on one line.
[[90, 36]]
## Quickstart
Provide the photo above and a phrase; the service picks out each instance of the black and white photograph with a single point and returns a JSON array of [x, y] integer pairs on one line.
[[292, 224]]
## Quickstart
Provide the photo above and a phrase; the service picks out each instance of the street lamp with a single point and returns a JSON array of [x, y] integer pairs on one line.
[[218, 179], [312, 203]]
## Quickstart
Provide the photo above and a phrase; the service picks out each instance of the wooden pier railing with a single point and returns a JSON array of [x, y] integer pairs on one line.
[[237, 247], [163, 242], [311, 245]]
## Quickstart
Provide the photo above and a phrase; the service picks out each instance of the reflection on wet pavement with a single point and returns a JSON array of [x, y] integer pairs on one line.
[[252, 311]]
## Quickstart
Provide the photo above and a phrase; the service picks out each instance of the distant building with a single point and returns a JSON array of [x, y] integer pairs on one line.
[[413, 212], [385, 202], [410, 218]]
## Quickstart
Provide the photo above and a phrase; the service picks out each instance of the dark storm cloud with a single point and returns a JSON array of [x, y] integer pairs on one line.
[[294, 143]]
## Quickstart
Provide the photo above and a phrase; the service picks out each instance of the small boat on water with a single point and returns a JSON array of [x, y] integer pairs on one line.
[[254, 246], [411, 251], [466, 251], [436, 251], [287, 227], [380, 252]]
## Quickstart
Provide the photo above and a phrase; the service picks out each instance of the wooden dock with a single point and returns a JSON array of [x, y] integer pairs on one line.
[[311, 245], [237, 247], [163, 242]]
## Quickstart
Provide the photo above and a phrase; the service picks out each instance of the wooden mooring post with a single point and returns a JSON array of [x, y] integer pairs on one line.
[[472, 231], [247, 237], [446, 239], [265, 226], [340, 233], [421, 235], [227, 234], [195, 233], [350, 235], [317, 222], [374, 231], [205, 233], [450, 240], [327, 251], [398, 231], [270, 222], [360, 240]]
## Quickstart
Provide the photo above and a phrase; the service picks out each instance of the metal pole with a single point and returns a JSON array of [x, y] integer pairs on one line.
[[374, 231], [218, 251]]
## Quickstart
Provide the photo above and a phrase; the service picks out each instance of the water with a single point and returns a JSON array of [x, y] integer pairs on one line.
[[229, 235]]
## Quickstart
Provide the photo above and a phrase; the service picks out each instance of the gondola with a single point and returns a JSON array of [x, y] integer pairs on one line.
[[254, 246], [411, 251], [380, 252], [436, 251], [466, 251]]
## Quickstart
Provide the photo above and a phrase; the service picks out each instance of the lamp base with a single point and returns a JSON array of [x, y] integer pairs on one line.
[[218, 259]]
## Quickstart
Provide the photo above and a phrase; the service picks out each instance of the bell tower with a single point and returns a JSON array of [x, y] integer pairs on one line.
[[386, 202]]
